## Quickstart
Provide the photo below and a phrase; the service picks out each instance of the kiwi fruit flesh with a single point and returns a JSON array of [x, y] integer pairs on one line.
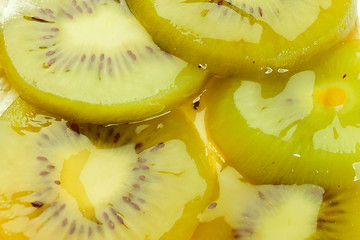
[[279, 212], [236, 36], [7, 92], [92, 61], [132, 181], [299, 126]]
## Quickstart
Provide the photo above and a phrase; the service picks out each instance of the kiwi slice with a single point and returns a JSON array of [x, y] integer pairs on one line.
[[279, 212], [92, 61], [133, 181], [238, 35], [296, 127]]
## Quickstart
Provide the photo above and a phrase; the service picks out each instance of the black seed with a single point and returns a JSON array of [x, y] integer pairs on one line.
[[55, 29], [142, 160], [50, 53], [157, 147], [48, 37], [72, 228], [44, 173], [131, 54], [261, 195], [150, 49], [45, 136], [333, 204], [41, 158], [116, 137], [51, 62], [57, 182], [260, 12], [106, 216], [37, 204], [135, 206], [79, 9], [49, 11], [120, 219], [136, 186], [138, 145], [126, 199], [37, 19], [111, 225], [212, 205], [68, 14], [141, 200], [64, 222], [344, 75], [142, 178]]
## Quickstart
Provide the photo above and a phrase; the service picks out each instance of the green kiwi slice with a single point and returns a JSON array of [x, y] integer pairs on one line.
[[296, 127], [238, 35], [279, 212], [134, 181], [92, 61]]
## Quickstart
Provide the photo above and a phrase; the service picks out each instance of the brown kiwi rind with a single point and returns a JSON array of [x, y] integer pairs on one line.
[[42, 201]]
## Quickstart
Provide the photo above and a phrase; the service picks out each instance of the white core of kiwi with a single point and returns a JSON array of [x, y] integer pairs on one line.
[[126, 195], [266, 212], [242, 20], [92, 51]]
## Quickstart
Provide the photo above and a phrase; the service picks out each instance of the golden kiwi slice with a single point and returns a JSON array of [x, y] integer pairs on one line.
[[238, 35], [279, 212], [92, 61], [295, 127], [70, 181]]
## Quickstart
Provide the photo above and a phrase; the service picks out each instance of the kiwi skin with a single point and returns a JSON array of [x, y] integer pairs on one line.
[[221, 60]]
